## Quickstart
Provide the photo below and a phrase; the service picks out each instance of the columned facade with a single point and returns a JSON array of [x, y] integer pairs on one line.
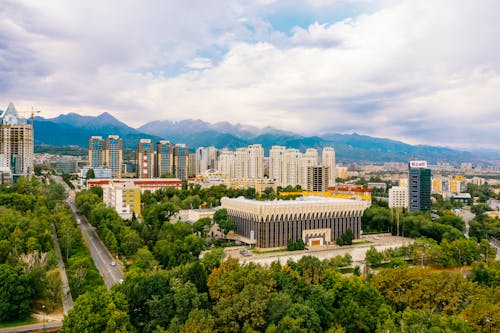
[[273, 223]]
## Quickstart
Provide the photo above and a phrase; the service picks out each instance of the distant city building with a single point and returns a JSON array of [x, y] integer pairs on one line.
[[226, 164], [277, 165], [398, 197], [293, 171], [181, 161], [164, 159], [113, 155], [309, 158], [5, 175], [341, 172], [328, 159], [66, 166], [255, 161], [373, 185], [315, 220], [150, 184], [259, 184], [16, 142], [191, 165], [317, 178], [419, 186], [96, 152], [145, 159], [206, 159]]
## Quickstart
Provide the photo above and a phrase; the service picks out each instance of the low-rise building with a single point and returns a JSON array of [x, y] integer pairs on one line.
[[316, 220], [398, 197], [151, 184]]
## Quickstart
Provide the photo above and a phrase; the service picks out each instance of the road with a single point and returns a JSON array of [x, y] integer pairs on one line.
[[467, 216], [43, 327], [98, 251]]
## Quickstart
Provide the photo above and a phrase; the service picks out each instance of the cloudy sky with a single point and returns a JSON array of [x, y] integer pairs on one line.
[[425, 72]]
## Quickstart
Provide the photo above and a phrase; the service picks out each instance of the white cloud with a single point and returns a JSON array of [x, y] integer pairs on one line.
[[421, 71]]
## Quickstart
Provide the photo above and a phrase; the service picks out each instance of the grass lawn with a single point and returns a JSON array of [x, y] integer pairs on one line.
[[361, 242], [19, 322]]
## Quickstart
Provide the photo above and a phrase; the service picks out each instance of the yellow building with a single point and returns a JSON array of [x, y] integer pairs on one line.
[[437, 184], [124, 198]]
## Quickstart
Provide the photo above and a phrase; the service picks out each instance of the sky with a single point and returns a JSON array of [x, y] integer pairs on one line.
[[424, 72]]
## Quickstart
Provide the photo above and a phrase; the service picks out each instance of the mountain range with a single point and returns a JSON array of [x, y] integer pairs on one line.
[[74, 129]]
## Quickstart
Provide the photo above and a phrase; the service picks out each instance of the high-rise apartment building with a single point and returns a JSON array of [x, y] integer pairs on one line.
[[164, 159], [113, 155], [419, 186], [181, 161], [293, 159], [206, 158], [277, 165], [241, 163], [309, 158], [96, 150], [255, 161], [16, 142], [226, 163], [398, 197], [317, 178], [145, 159], [328, 159]]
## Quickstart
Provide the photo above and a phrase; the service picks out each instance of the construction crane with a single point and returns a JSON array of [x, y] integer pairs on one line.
[[31, 114]]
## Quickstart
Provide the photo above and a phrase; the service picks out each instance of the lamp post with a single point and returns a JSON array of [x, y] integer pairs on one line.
[[43, 317]]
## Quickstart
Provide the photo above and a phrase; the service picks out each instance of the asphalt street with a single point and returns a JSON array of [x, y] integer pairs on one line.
[[103, 259]]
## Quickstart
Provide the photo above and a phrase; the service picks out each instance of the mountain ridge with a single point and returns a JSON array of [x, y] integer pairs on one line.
[[77, 129]]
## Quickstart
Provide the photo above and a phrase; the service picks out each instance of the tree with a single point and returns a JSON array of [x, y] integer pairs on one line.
[[15, 293], [227, 225], [99, 311], [373, 257], [90, 174]]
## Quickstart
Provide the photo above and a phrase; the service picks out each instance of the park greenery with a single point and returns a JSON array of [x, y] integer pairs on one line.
[[29, 278]]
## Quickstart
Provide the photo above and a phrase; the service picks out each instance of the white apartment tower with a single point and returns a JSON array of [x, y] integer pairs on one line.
[[206, 158], [241, 163], [328, 160], [226, 164], [255, 161], [293, 159], [277, 166]]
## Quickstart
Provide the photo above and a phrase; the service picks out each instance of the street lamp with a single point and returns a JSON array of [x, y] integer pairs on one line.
[[43, 317]]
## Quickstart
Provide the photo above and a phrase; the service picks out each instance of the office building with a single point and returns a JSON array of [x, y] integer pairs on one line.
[[181, 161], [241, 163], [328, 160], [113, 155], [16, 142], [398, 197], [145, 159], [419, 186], [317, 178], [315, 220], [164, 159]]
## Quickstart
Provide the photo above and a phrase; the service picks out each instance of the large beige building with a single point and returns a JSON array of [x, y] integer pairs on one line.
[[16, 142], [315, 220], [145, 159]]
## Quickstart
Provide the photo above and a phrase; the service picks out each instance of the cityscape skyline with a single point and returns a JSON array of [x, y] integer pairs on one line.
[[395, 69]]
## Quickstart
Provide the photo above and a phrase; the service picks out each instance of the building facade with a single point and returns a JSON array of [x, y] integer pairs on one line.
[[16, 142], [181, 161], [398, 197], [113, 155], [317, 178], [419, 186], [315, 220], [164, 159], [328, 159], [124, 198], [96, 151], [145, 159]]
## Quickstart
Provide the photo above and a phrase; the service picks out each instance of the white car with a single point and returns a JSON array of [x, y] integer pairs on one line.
[[113, 263]]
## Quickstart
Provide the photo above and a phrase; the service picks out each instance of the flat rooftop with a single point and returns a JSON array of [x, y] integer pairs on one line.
[[304, 200]]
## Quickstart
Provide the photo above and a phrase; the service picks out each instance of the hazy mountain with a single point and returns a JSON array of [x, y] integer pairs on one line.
[[73, 129]]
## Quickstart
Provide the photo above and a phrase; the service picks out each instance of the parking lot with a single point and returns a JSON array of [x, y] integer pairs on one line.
[[357, 250]]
